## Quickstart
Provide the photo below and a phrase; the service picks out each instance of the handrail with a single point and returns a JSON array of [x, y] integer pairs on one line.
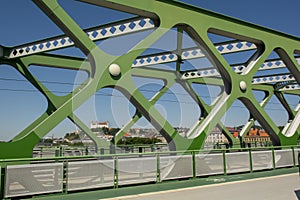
[[64, 158]]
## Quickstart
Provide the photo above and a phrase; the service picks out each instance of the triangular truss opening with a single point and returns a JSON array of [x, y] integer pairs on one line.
[[236, 115], [259, 95], [149, 87], [208, 93], [293, 100], [276, 111], [179, 108], [60, 85], [21, 103], [237, 51]]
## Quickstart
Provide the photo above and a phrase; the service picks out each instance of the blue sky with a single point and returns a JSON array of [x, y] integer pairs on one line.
[[22, 22]]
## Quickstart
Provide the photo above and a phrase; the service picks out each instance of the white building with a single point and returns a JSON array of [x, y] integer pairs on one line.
[[216, 136], [99, 125]]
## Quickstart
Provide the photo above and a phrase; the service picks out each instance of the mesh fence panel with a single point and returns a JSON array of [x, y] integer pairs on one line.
[[32, 179], [262, 160], [207, 164], [173, 167], [90, 174], [136, 170], [284, 158], [237, 162], [22, 180]]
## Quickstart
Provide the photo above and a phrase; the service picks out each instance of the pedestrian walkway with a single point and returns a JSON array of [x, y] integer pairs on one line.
[[282, 187]]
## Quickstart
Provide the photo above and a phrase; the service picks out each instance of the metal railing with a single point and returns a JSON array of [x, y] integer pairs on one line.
[[27, 177]]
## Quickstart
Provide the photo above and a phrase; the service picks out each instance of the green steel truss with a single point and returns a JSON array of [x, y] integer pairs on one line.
[[108, 71]]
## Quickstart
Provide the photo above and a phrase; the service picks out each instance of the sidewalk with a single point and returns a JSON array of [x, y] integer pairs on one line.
[[282, 187]]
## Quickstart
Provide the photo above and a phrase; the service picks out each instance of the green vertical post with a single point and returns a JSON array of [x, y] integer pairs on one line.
[[152, 147], [112, 149], [86, 151], [224, 162], [65, 176], [179, 48], [140, 149], [293, 153], [250, 161], [299, 161], [116, 171], [56, 152], [61, 151], [3, 177], [194, 163], [158, 177], [273, 158], [41, 152], [102, 151]]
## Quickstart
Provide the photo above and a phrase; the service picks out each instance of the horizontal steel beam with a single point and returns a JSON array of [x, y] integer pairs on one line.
[[268, 65], [224, 48], [95, 34], [121, 28], [273, 79], [192, 53], [290, 87]]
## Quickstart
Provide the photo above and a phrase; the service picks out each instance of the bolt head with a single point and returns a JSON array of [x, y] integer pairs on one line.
[[243, 85], [114, 69]]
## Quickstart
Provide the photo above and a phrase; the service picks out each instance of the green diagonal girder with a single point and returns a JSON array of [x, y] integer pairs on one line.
[[55, 101], [170, 79], [138, 115], [207, 109]]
